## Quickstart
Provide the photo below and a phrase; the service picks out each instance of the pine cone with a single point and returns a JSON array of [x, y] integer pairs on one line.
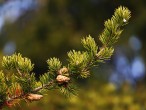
[[61, 79], [63, 71], [34, 97]]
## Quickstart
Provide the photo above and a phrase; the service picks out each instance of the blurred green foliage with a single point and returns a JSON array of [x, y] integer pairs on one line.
[[99, 97]]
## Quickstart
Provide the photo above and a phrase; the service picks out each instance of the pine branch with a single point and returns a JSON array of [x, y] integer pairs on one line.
[[42, 87], [23, 85], [23, 96]]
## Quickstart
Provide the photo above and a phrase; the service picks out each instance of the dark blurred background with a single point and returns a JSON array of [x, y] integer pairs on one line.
[[40, 29]]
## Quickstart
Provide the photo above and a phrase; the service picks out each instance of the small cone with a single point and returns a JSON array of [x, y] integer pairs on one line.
[[61, 79], [34, 97]]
